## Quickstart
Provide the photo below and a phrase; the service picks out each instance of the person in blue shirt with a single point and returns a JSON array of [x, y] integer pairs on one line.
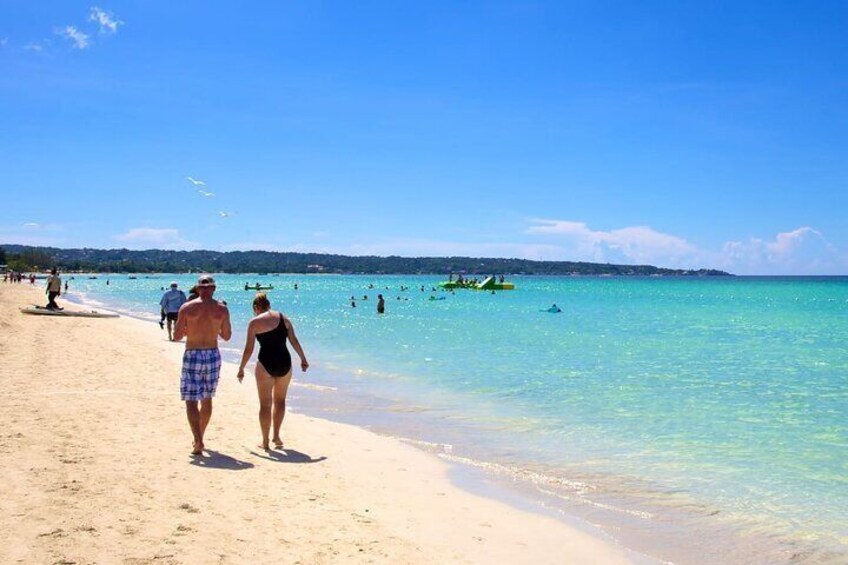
[[170, 304]]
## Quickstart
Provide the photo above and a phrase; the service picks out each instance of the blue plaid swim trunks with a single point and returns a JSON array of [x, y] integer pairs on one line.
[[201, 369]]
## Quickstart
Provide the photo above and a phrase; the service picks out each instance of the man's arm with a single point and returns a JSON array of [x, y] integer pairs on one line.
[[181, 327], [226, 329]]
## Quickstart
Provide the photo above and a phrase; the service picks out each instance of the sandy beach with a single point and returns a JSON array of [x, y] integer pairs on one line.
[[96, 469]]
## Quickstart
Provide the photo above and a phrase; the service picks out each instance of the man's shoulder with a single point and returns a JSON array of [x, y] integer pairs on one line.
[[190, 305]]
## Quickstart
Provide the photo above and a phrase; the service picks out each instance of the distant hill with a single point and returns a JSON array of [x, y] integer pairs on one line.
[[162, 261]]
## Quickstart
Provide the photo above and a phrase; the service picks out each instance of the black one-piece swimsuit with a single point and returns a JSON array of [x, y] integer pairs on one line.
[[273, 353]]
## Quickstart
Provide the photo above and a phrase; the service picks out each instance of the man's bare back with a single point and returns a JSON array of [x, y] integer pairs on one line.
[[201, 321]]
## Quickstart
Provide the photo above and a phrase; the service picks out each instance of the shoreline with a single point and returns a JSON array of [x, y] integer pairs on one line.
[[645, 517], [72, 499]]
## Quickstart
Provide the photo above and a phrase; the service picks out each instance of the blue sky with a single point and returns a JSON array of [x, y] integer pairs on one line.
[[680, 134]]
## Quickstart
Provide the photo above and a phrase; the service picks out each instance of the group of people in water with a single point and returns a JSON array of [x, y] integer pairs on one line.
[[381, 302], [462, 281]]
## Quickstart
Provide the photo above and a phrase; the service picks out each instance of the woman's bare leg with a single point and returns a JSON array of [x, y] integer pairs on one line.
[[281, 388], [265, 387]]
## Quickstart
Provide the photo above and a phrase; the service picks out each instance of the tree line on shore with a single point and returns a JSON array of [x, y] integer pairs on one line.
[[28, 258]]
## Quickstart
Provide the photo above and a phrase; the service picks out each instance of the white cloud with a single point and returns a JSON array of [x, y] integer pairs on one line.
[[33, 47], [35, 227], [33, 233], [637, 244], [168, 238], [107, 22], [801, 251], [75, 36]]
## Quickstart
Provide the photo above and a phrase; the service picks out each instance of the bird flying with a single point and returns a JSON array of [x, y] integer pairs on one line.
[[196, 182], [206, 194]]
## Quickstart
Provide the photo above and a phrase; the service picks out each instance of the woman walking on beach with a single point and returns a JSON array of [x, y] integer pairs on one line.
[[274, 370]]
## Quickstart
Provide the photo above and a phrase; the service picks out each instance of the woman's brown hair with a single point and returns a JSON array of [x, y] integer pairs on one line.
[[261, 302]]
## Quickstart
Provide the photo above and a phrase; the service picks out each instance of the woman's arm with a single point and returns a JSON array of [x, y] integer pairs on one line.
[[304, 364], [248, 349]]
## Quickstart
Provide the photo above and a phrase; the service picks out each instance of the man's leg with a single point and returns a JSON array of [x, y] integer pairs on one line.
[[170, 328], [194, 420], [205, 416]]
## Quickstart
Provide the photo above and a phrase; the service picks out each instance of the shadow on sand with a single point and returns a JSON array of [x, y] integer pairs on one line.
[[218, 460], [287, 456]]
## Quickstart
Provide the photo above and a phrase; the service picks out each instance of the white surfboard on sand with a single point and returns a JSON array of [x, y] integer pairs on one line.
[[42, 311]]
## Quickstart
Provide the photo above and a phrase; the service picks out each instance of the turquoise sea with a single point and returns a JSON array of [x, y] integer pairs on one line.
[[697, 420]]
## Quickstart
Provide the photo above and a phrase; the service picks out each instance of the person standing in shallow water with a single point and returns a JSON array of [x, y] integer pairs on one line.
[[381, 304], [201, 322], [274, 369]]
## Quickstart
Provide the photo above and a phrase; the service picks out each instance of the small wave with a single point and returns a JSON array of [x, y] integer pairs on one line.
[[444, 447], [310, 386], [523, 474], [578, 489], [582, 500]]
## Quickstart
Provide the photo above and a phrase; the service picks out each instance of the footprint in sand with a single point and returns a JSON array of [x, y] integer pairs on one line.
[[57, 533], [182, 530]]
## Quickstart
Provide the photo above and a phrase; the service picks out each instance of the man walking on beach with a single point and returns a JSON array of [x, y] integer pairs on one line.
[[170, 305], [201, 322], [54, 289]]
